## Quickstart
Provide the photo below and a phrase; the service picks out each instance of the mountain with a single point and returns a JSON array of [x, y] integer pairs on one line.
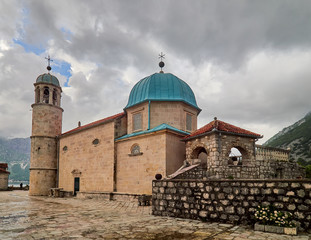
[[16, 152], [297, 137]]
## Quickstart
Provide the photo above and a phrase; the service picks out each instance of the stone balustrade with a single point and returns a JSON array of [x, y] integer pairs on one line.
[[269, 153]]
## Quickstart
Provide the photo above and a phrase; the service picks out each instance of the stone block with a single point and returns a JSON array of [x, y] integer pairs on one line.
[[290, 193], [170, 184], [183, 198], [240, 210], [244, 191], [266, 191], [230, 196], [227, 190], [229, 209], [278, 191], [205, 195], [307, 185], [278, 205], [303, 207], [283, 184], [291, 207], [295, 185], [301, 193], [254, 191], [219, 208], [224, 202], [203, 214], [221, 196]]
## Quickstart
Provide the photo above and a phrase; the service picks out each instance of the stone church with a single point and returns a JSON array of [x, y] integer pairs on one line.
[[156, 133]]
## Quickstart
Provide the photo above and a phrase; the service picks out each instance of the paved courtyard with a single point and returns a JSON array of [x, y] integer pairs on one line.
[[24, 217]]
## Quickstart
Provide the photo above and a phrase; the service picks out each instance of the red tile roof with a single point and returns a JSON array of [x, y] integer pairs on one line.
[[3, 171], [222, 127], [95, 123], [4, 166]]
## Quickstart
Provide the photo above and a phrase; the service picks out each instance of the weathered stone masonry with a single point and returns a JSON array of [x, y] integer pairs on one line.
[[232, 201]]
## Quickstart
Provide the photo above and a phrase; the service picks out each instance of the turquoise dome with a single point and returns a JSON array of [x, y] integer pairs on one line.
[[161, 87], [48, 78]]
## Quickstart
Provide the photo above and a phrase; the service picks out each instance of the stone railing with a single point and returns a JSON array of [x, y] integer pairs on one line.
[[269, 153]]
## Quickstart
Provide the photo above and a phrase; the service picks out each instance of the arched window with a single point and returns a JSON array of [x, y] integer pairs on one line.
[[235, 157], [54, 96], [135, 150], [46, 95], [37, 95]]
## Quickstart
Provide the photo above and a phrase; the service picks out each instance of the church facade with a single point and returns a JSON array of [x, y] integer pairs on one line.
[[156, 133]]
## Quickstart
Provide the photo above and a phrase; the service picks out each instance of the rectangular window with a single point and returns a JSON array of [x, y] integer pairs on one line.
[[137, 122], [188, 122]]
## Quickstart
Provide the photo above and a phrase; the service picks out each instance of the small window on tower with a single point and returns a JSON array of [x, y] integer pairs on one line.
[[137, 122], [188, 122], [46, 95]]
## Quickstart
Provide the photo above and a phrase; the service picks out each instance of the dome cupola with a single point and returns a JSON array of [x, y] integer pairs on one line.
[[162, 87], [48, 78]]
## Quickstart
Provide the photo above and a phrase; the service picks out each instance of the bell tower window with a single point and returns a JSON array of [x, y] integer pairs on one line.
[[46, 95]]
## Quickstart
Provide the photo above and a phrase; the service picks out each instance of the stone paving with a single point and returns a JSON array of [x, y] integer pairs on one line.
[[24, 217]]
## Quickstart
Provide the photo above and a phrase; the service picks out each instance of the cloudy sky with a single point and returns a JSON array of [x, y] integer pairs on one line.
[[248, 62]]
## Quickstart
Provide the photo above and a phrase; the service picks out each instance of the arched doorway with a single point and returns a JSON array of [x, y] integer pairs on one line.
[[199, 155]]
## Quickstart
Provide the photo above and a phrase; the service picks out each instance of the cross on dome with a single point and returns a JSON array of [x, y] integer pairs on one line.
[[161, 64]]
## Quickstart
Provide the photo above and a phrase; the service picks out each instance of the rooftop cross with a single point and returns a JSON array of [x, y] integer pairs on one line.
[[49, 61], [161, 64]]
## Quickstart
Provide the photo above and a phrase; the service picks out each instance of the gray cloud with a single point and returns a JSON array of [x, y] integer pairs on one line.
[[247, 61]]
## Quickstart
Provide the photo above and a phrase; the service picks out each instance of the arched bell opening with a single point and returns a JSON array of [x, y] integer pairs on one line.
[[37, 98], [46, 94], [54, 96]]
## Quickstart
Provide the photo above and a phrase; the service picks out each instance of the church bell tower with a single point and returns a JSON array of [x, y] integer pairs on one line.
[[46, 126]]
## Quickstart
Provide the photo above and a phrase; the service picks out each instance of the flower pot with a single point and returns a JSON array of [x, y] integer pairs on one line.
[[274, 229], [259, 227], [290, 230]]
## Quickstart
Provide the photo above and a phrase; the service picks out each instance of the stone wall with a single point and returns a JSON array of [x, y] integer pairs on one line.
[[231, 201], [218, 147], [92, 163], [4, 180]]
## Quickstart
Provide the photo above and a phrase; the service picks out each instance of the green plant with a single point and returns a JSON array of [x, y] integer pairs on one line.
[[270, 216], [230, 177]]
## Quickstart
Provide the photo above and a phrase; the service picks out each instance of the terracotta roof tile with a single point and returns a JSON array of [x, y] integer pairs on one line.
[[3, 171], [222, 127], [94, 123]]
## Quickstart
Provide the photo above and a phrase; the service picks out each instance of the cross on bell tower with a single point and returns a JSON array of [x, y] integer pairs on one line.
[[49, 61]]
